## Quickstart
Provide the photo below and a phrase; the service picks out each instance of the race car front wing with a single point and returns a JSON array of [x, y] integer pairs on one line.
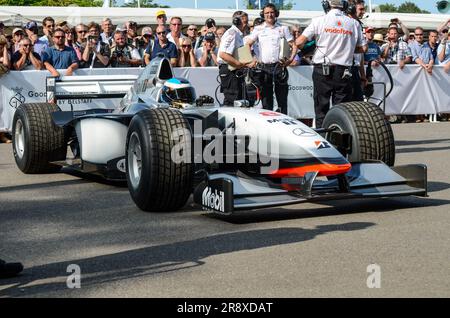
[[225, 193]]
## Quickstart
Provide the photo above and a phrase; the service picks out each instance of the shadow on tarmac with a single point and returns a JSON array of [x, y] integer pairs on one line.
[[160, 259]]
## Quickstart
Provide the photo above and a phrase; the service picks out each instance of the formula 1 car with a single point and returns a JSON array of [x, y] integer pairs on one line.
[[168, 144]]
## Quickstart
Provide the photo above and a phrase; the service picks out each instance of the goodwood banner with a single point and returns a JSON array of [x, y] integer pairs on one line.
[[415, 91]]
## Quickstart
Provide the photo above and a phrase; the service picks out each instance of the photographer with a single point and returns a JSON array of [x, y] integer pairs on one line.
[[207, 54], [123, 55], [96, 53], [25, 58]]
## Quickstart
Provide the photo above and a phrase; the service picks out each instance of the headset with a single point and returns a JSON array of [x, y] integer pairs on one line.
[[270, 5], [344, 4], [237, 21]]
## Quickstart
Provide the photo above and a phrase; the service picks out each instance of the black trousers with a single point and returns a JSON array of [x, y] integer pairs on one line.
[[330, 86], [274, 76], [230, 85], [358, 94]]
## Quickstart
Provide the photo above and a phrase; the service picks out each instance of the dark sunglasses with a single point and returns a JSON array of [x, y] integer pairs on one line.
[[192, 29], [159, 33], [59, 37], [26, 45], [186, 45], [176, 23], [82, 31]]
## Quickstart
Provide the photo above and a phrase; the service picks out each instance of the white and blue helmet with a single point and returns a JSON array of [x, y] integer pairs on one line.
[[178, 90]]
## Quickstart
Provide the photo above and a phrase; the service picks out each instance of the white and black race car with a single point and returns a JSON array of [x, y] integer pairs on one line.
[[168, 144]]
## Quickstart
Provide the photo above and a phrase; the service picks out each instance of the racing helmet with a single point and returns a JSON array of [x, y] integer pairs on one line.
[[177, 90]]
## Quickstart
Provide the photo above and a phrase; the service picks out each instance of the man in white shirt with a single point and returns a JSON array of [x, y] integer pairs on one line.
[[338, 37], [231, 85], [176, 24], [274, 74]]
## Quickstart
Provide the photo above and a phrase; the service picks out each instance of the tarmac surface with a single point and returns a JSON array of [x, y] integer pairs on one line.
[[49, 222]]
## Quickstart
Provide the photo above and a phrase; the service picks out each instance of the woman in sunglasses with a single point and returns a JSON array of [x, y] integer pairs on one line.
[[186, 54]]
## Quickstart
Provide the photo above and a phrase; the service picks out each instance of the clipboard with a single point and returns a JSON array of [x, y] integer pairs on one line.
[[243, 55]]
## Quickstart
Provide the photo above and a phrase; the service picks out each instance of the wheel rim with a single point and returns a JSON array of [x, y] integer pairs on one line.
[[19, 139], [134, 160]]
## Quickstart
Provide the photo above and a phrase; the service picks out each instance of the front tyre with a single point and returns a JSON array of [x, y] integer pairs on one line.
[[157, 182], [37, 141], [372, 136]]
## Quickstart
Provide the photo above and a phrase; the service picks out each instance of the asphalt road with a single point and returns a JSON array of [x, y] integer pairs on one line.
[[311, 250]]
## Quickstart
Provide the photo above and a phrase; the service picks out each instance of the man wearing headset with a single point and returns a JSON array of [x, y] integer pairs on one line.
[[338, 37], [274, 74], [231, 85]]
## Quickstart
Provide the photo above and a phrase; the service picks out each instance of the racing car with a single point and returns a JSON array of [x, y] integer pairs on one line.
[[168, 144]]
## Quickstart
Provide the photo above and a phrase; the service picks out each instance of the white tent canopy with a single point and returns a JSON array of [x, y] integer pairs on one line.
[[18, 16]]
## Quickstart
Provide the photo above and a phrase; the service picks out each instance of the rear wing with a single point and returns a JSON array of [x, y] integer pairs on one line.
[[90, 86]]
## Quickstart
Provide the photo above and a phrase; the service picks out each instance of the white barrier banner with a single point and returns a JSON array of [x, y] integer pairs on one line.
[[415, 91]]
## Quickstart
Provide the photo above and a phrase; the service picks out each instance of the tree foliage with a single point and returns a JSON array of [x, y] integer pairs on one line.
[[144, 4], [252, 4], [406, 7], [80, 3]]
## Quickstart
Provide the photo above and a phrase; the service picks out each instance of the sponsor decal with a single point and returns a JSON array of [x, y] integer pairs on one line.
[[269, 113], [18, 99], [302, 132], [121, 165], [286, 121], [213, 200], [338, 31], [322, 144]]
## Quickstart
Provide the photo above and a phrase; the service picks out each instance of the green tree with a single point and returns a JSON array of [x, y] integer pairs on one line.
[[388, 8], [406, 7], [52, 3], [144, 4], [410, 7], [252, 4]]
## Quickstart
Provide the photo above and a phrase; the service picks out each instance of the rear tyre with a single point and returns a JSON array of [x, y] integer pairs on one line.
[[372, 136], [156, 182], [37, 141]]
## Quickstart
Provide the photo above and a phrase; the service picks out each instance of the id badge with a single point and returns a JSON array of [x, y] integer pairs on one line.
[[326, 69]]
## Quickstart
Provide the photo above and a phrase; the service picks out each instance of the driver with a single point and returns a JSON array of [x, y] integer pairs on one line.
[[177, 92]]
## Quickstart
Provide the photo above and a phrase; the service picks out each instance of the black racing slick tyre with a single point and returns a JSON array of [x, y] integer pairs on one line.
[[372, 136], [159, 179], [37, 141]]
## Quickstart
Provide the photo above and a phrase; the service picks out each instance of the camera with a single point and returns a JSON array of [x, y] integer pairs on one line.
[[91, 38], [118, 53], [210, 23]]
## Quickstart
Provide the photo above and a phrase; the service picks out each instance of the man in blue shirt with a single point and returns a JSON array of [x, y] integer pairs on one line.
[[421, 53], [60, 56], [162, 45], [373, 51]]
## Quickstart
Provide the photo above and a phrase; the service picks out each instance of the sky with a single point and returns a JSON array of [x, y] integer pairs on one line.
[[314, 5]]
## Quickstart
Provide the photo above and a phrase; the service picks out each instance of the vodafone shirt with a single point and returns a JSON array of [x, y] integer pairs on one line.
[[336, 37]]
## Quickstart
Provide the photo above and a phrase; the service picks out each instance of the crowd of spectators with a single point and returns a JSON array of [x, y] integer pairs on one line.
[[62, 46]]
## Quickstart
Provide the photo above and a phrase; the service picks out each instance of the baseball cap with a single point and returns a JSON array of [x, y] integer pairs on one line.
[[210, 36], [17, 30], [30, 25], [160, 12], [146, 30], [369, 28]]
